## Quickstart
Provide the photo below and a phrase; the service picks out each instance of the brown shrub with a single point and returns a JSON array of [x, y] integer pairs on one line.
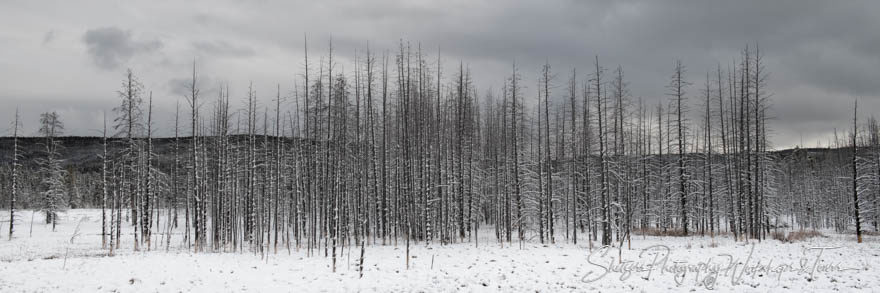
[[795, 236], [777, 235], [659, 232], [871, 233], [723, 233]]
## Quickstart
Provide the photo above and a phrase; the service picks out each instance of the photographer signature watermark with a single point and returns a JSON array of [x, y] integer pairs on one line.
[[657, 260]]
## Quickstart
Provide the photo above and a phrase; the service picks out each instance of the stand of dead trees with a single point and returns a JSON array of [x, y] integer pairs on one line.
[[401, 150]]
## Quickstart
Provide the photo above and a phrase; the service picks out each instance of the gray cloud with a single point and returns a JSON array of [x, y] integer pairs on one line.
[[223, 48], [111, 47], [48, 37], [179, 86]]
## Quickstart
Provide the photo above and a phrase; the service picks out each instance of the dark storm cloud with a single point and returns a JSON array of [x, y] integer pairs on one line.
[[837, 68], [815, 52], [110, 47]]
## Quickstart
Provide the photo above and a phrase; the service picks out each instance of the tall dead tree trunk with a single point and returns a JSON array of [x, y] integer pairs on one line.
[[601, 105], [677, 86], [14, 192], [855, 172], [546, 76]]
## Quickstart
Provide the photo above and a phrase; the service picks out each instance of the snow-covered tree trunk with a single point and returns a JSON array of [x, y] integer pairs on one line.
[[13, 194]]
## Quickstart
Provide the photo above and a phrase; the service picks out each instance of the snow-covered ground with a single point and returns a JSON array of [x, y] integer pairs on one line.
[[50, 261]]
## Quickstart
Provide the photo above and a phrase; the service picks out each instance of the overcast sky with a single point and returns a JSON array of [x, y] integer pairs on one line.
[[70, 56]]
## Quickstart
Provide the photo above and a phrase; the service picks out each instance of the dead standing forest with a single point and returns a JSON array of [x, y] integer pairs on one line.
[[403, 150]]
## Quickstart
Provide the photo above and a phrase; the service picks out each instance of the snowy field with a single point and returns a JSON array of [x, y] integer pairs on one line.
[[47, 261]]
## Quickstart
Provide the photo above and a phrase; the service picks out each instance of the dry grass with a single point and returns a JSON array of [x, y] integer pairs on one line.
[[777, 235], [795, 236], [659, 232], [867, 233]]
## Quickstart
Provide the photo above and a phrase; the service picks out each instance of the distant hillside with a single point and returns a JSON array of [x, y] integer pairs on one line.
[[83, 152]]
